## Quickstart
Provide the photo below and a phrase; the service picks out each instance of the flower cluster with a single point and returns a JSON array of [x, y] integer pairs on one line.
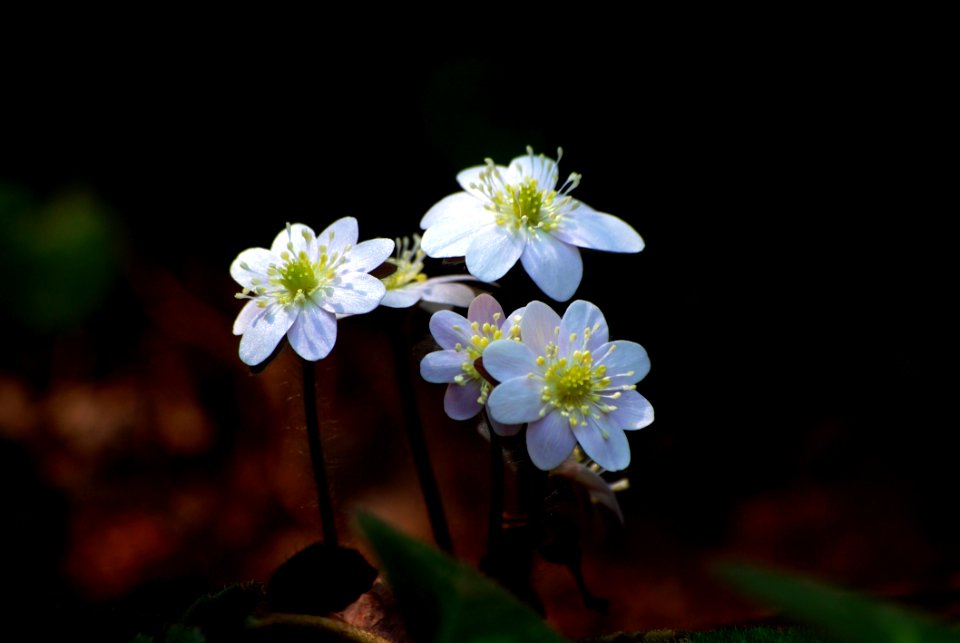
[[562, 377]]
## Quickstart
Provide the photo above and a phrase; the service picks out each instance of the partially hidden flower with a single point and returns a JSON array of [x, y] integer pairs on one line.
[[517, 212], [408, 285], [598, 490], [570, 384], [463, 341], [299, 286]]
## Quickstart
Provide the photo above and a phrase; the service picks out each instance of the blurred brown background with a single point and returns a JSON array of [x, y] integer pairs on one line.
[[793, 296]]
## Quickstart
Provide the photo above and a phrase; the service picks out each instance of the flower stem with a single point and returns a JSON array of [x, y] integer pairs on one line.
[[495, 514], [515, 515], [416, 438], [316, 453]]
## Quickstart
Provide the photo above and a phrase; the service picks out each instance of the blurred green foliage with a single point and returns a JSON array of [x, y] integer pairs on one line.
[[844, 615], [60, 256], [446, 601]]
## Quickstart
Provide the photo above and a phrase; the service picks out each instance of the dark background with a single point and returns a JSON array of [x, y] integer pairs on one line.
[[794, 297]]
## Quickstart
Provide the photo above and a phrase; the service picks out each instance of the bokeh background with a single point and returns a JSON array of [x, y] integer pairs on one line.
[[794, 296]]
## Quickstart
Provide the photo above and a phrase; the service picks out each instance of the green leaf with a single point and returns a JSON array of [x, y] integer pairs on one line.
[[445, 601], [846, 615]]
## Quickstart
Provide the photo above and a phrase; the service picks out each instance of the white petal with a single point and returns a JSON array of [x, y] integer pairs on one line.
[[492, 252], [539, 167], [539, 326], [294, 235], [587, 228], [402, 297], [248, 313], [339, 234], [633, 411], [470, 177], [449, 329], [550, 441], [626, 362], [440, 367], [448, 293], [604, 442], [461, 402], [516, 401], [449, 207], [356, 293], [451, 237], [367, 255], [483, 308], [265, 332], [556, 267], [506, 359], [578, 316], [257, 261], [314, 333]]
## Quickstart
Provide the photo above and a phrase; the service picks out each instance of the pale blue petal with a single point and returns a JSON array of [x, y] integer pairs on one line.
[[626, 362], [248, 313], [513, 319], [578, 316], [294, 235], [516, 401], [539, 326], [556, 267], [450, 207], [339, 234], [367, 255], [587, 228], [440, 367], [492, 252], [461, 402], [550, 441], [265, 332], [357, 292], [402, 297], [449, 329], [313, 333], [604, 442], [483, 308], [447, 293], [257, 261], [506, 359], [451, 236], [504, 429], [633, 411]]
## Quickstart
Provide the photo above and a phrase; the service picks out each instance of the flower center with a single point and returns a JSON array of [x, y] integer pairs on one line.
[[573, 386], [299, 275], [409, 263], [526, 206]]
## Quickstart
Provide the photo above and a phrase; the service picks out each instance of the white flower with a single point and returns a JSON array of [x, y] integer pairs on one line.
[[517, 212], [570, 384], [463, 341], [407, 284], [298, 286]]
